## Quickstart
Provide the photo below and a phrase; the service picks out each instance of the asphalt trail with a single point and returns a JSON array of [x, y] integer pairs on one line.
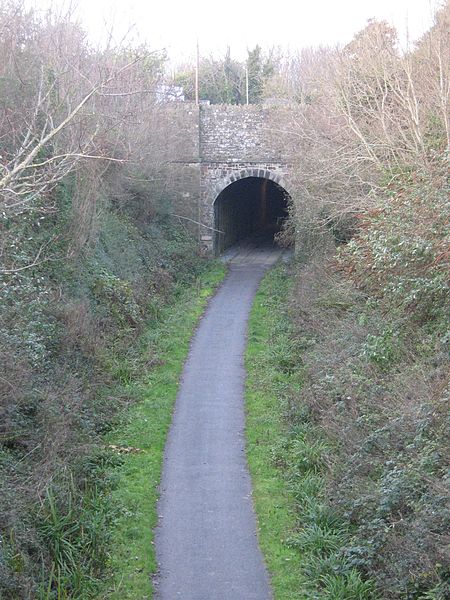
[[206, 541]]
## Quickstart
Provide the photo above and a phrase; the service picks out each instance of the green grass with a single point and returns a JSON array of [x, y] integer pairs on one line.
[[144, 431], [274, 504], [300, 538]]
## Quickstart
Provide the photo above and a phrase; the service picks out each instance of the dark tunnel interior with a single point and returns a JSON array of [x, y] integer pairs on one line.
[[252, 207]]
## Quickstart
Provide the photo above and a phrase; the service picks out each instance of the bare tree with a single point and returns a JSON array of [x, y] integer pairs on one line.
[[366, 114], [64, 107]]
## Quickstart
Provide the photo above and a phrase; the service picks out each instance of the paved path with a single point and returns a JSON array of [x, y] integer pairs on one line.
[[206, 541]]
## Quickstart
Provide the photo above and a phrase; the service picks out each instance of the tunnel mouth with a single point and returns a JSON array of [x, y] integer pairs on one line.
[[252, 208]]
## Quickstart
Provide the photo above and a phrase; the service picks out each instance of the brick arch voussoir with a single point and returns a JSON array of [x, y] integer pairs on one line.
[[242, 174]]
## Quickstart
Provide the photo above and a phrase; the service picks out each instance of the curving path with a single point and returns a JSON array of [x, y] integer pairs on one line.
[[206, 541]]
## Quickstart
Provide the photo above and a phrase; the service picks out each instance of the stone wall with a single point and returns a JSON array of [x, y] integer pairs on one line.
[[208, 147], [176, 131], [230, 133]]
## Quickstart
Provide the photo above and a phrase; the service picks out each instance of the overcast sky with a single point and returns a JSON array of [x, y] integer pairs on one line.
[[241, 24]]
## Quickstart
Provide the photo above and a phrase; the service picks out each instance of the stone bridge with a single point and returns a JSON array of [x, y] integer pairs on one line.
[[231, 172]]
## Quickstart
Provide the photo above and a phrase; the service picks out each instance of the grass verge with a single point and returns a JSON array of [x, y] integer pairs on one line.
[[141, 437], [302, 541]]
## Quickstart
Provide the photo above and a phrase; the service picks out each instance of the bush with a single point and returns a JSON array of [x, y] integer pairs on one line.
[[68, 331], [118, 297], [401, 251], [376, 384]]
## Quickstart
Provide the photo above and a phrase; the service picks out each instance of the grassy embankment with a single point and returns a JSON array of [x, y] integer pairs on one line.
[[347, 440], [98, 353], [299, 536], [140, 440]]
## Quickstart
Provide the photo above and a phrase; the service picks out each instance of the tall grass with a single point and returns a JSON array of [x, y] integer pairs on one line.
[[303, 541], [96, 523]]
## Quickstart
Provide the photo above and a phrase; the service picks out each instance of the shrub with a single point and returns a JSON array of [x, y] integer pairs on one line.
[[118, 297], [381, 476], [401, 252]]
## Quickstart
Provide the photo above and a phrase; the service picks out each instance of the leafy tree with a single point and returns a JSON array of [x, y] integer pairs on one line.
[[222, 80], [185, 78], [260, 69]]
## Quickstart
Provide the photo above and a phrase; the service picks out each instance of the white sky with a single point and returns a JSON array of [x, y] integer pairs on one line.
[[241, 24]]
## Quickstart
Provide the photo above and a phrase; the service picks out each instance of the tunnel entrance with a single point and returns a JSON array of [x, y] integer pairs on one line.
[[252, 207]]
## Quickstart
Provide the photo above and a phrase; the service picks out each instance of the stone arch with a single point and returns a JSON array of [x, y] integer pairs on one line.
[[249, 204], [243, 174]]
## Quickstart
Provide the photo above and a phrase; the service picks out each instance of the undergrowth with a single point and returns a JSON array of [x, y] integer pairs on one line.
[[347, 440], [302, 539], [97, 522], [73, 359], [140, 438], [376, 383]]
